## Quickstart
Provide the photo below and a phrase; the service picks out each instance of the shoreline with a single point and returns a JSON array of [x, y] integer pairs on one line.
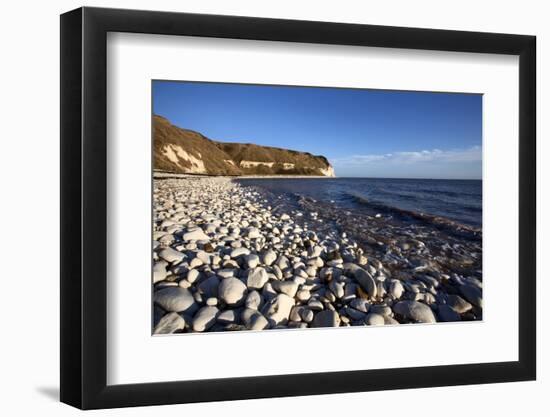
[[225, 260], [165, 175], [259, 177]]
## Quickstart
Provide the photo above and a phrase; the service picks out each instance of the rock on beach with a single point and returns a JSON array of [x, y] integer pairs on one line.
[[326, 318], [232, 291], [205, 318], [175, 299], [195, 234], [278, 309], [169, 323], [256, 278], [415, 311], [365, 280]]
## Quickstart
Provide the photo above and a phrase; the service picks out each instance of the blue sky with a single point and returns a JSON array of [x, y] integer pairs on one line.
[[364, 133]]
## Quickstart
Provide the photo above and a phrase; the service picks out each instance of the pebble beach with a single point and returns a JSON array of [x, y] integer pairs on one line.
[[227, 257]]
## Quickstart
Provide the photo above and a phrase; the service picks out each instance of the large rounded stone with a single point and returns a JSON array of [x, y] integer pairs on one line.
[[415, 311], [355, 314], [374, 319], [193, 275], [269, 257], [252, 260], [232, 291], [175, 299], [446, 313], [472, 294], [257, 277], [458, 304], [159, 272], [278, 309], [204, 257], [227, 316], [326, 318], [285, 287], [169, 323], [171, 255], [380, 309], [205, 318], [253, 300], [363, 278], [396, 289], [337, 288], [360, 305], [242, 251], [307, 315], [257, 322], [390, 320]]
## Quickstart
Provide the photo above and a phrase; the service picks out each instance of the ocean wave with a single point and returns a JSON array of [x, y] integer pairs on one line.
[[371, 196], [416, 215], [423, 193]]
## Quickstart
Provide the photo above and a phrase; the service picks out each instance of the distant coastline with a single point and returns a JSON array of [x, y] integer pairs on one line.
[[184, 151], [163, 175]]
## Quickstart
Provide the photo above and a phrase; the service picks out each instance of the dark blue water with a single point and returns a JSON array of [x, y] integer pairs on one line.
[[457, 200]]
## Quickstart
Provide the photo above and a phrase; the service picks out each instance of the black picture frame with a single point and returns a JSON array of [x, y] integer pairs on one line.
[[84, 207]]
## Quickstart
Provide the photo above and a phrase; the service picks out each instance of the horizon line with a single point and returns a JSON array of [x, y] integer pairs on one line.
[[370, 177]]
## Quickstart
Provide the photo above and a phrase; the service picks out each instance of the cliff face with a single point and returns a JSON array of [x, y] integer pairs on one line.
[[183, 151]]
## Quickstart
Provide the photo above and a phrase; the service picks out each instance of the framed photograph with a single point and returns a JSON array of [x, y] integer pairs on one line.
[[257, 208]]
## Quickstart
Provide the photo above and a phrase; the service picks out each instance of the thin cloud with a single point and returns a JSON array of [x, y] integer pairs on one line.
[[406, 157]]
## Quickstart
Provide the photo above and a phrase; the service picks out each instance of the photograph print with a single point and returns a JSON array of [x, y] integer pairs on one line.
[[298, 207]]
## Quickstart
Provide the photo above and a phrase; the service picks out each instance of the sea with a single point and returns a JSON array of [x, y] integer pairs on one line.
[[458, 201]]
